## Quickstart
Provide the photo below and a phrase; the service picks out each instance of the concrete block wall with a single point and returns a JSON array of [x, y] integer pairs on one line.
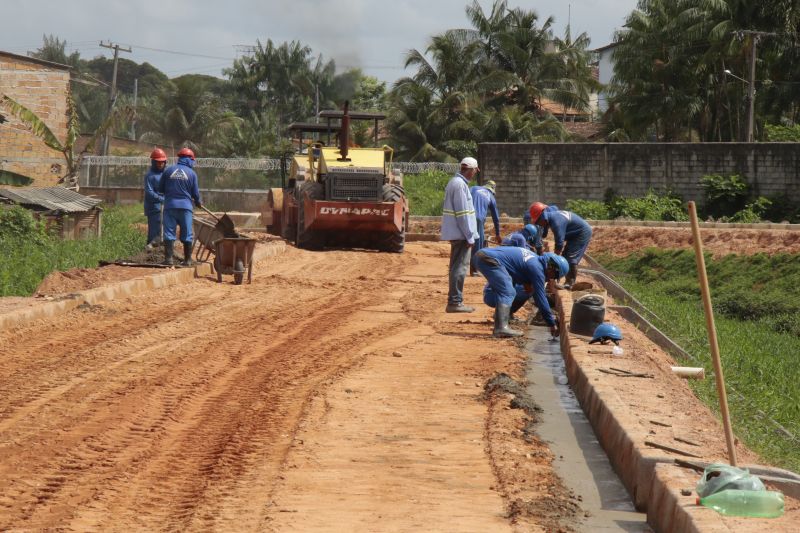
[[41, 87], [556, 172]]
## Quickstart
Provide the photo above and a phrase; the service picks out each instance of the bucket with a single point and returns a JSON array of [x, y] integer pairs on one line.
[[588, 312]]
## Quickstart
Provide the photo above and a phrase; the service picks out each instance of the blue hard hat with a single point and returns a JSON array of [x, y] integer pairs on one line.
[[606, 331], [562, 266], [530, 231]]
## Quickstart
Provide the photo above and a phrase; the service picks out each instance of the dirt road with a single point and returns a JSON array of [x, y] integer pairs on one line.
[[331, 391]]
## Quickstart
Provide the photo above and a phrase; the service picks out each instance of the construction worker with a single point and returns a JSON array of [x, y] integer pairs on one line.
[[459, 227], [506, 266], [483, 198], [570, 232], [523, 293], [529, 237], [154, 200], [181, 192]]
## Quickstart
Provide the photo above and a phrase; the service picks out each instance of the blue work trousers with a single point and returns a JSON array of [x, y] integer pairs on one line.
[[575, 248], [480, 242], [497, 277], [459, 264], [178, 218], [490, 297], [153, 226]]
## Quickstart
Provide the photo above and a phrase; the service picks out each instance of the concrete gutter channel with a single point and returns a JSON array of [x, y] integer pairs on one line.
[[122, 289], [652, 478]]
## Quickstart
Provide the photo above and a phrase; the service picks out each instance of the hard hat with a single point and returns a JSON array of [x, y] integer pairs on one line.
[[158, 155], [491, 185], [530, 231], [536, 211], [186, 152], [562, 267], [469, 162], [606, 331]]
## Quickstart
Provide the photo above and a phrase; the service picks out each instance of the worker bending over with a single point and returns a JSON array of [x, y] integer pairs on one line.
[[483, 198], [570, 232], [529, 237], [506, 266]]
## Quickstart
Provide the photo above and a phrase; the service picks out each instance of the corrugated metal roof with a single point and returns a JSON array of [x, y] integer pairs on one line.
[[51, 198]]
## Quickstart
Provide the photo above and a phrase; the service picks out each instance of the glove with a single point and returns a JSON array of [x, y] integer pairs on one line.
[[198, 204]]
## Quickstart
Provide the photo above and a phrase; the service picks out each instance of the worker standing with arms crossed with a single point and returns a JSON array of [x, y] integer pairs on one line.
[[570, 232], [459, 227], [181, 192], [154, 200], [483, 198]]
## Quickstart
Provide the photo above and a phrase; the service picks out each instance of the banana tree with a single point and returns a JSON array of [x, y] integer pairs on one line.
[[67, 147]]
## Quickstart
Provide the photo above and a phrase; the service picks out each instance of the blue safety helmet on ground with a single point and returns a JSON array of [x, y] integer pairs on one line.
[[562, 267], [606, 332]]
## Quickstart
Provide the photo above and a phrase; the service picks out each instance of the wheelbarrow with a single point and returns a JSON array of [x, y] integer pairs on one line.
[[234, 255], [206, 234]]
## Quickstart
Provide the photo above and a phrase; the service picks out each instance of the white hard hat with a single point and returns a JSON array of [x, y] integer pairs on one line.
[[469, 162]]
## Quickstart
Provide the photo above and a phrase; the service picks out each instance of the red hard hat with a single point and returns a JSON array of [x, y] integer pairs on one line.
[[186, 152], [536, 211], [158, 155]]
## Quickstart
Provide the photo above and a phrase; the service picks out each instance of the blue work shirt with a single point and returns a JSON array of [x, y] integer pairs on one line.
[[179, 185], [152, 198], [566, 226], [484, 201], [516, 239], [525, 268]]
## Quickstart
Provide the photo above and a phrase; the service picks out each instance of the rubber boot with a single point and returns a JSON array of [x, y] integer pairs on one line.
[[569, 280], [187, 255], [516, 306], [169, 253], [501, 329]]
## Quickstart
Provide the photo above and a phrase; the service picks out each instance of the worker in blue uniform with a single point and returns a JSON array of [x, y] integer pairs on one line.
[[483, 199], [529, 237], [570, 232], [154, 200], [181, 193], [506, 266]]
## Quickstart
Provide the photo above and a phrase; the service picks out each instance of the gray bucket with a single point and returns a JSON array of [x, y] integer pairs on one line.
[[588, 312]]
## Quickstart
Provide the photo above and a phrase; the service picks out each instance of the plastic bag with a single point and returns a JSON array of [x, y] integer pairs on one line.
[[718, 477]]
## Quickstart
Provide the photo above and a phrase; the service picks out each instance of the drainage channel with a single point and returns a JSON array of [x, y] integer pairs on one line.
[[580, 460]]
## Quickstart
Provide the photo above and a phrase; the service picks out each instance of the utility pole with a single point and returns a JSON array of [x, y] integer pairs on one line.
[[751, 88], [113, 98], [135, 96]]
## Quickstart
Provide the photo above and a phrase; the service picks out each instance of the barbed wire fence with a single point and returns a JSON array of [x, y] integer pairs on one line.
[[213, 173]]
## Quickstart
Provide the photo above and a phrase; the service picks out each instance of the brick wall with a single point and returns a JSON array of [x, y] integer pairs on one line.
[[41, 87], [554, 173]]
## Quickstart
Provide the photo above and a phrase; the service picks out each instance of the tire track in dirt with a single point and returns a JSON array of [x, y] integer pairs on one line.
[[156, 438]]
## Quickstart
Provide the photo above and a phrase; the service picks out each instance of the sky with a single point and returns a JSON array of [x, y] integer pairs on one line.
[[204, 36]]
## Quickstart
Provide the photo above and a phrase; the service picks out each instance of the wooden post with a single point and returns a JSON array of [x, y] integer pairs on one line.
[[712, 334]]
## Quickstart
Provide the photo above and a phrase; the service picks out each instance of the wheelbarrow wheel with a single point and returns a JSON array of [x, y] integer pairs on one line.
[[238, 274]]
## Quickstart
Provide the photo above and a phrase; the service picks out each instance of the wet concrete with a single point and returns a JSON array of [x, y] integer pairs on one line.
[[580, 460]]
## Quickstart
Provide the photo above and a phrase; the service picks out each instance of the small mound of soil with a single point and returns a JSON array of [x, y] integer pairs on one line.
[[78, 279]]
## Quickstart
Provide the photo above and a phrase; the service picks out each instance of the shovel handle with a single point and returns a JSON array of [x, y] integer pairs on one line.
[[209, 212]]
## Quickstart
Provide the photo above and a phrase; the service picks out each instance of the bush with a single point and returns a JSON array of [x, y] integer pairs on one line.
[[653, 206], [724, 195], [752, 213], [16, 222], [425, 192], [589, 209], [778, 133]]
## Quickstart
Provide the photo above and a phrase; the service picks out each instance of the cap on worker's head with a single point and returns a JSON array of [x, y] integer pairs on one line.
[[186, 152], [560, 264], [158, 155], [606, 332], [536, 211], [491, 185], [530, 231], [469, 162]]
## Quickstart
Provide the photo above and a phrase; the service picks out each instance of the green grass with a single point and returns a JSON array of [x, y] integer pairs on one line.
[[29, 255], [426, 192], [759, 355]]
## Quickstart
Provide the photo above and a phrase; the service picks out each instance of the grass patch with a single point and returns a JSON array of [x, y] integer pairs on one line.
[[752, 296], [425, 192], [30, 254]]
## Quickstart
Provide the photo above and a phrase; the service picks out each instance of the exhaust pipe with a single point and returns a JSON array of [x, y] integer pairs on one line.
[[344, 133]]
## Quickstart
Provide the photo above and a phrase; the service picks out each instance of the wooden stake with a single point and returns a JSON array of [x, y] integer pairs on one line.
[[712, 334]]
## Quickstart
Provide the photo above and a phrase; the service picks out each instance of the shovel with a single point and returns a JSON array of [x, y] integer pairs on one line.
[[224, 223]]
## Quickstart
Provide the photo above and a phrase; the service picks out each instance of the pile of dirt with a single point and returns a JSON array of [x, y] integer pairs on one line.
[[78, 279]]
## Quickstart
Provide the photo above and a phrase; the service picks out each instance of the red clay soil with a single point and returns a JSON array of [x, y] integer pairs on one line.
[[332, 393]]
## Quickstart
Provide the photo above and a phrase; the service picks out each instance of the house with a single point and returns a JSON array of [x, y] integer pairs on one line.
[[69, 214], [42, 87], [605, 71]]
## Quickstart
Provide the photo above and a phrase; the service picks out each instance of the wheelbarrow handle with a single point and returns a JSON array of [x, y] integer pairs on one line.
[[209, 212]]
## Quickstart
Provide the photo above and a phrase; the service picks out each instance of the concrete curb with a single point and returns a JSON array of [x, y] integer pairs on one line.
[[122, 289], [651, 477]]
